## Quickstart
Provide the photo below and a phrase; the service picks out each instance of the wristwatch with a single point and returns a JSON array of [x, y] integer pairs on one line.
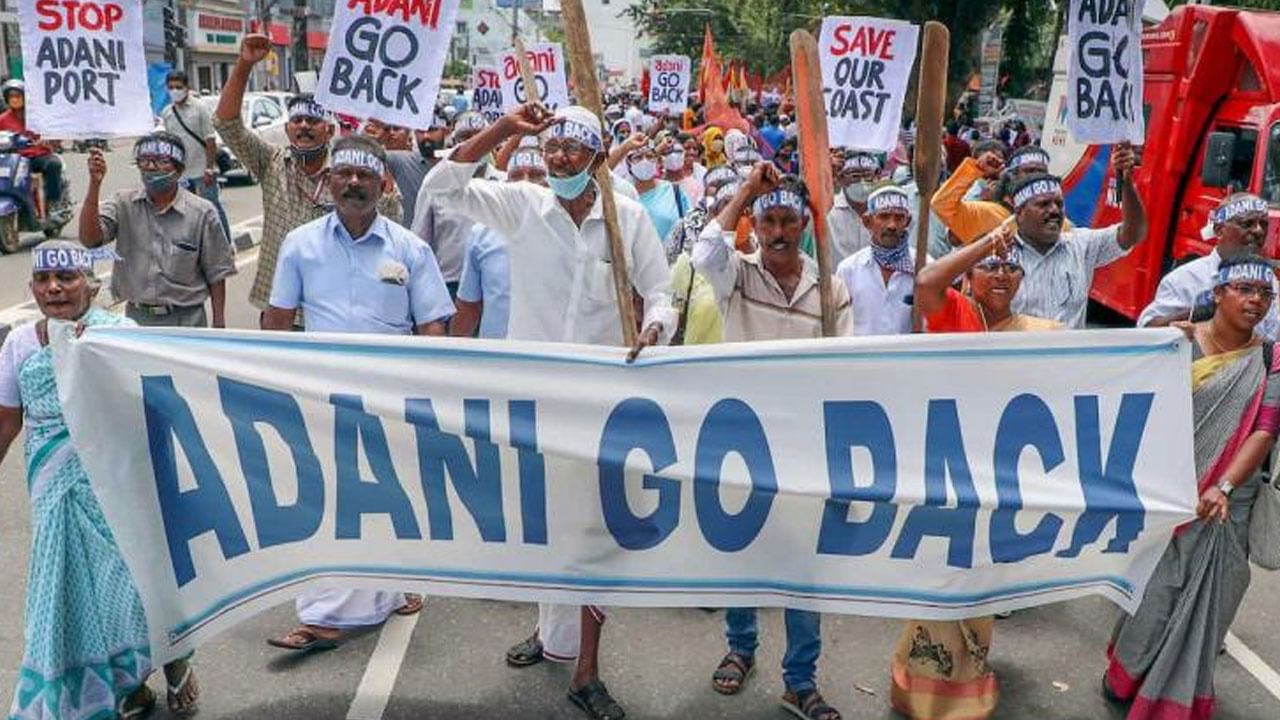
[[1225, 487]]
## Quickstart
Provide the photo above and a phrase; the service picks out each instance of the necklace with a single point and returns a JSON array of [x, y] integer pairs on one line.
[[1212, 337]]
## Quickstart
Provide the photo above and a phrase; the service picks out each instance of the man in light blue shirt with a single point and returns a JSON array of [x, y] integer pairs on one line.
[[484, 293], [354, 271]]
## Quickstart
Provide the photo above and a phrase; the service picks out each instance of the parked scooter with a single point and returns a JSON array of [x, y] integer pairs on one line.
[[23, 208]]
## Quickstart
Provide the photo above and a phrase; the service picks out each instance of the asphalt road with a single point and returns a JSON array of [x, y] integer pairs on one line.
[[448, 664]]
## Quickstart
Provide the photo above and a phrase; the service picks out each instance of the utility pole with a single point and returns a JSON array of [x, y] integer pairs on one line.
[[301, 60]]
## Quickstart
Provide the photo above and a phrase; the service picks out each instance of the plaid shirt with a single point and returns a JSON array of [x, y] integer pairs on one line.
[[290, 198]]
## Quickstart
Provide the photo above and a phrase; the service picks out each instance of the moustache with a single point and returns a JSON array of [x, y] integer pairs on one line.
[[355, 194]]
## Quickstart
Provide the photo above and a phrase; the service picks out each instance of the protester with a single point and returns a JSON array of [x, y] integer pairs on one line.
[[881, 276], [693, 297], [956, 148], [1163, 657], [562, 291], [679, 171], [40, 154], [292, 179], [87, 652], [410, 165], [683, 236], [1060, 264], [713, 152], [484, 294], [354, 252], [192, 122], [443, 227], [1240, 223], [770, 295], [693, 150], [664, 202], [173, 254], [969, 218], [854, 182]]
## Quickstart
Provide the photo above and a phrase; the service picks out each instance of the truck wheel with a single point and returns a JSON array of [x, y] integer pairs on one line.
[[10, 237]]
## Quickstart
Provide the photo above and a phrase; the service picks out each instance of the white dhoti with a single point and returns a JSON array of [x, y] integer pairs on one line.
[[560, 630], [347, 608]]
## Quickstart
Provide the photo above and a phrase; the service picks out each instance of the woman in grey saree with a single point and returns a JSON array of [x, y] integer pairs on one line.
[[1162, 658]]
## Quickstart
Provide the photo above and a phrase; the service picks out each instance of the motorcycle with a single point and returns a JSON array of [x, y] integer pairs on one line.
[[23, 208]]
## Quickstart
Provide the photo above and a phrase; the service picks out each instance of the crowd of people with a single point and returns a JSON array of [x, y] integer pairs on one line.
[[497, 230]]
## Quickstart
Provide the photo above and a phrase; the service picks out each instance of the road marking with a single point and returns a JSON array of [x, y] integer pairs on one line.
[[19, 313], [1258, 668], [383, 668]]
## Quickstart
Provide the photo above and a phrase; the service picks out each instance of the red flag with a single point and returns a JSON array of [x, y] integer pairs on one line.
[[709, 64]]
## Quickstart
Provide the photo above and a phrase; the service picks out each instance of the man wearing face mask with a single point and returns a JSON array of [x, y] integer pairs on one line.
[[410, 165], [855, 181], [292, 179], [192, 121], [562, 291], [881, 277], [173, 254], [1239, 225], [40, 155]]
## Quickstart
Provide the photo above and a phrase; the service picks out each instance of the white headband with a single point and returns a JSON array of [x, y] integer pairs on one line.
[[307, 108], [778, 198], [1249, 271], [890, 198], [1043, 186], [572, 130], [158, 147], [1033, 157], [861, 161], [527, 158], [351, 157], [1236, 208]]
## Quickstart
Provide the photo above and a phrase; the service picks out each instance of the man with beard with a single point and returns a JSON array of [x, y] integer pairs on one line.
[[173, 254], [881, 277], [855, 179], [562, 291], [771, 294], [354, 271], [410, 165], [1059, 263], [1239, 224], [294, 187]]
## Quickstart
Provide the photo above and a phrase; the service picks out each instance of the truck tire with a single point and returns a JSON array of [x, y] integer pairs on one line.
[[10, 237]]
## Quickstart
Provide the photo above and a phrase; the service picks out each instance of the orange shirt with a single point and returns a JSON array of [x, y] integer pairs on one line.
[[956, 315]]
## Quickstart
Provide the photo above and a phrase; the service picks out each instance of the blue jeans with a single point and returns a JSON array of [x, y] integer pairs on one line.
[[210, 193], [804, 643]]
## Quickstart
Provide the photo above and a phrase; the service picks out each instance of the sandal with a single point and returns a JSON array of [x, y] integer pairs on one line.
[[412, 605], [594, 700], [732, 673], [808, 705], [183, 697], [137, 704], [304, 638], [526, 652]]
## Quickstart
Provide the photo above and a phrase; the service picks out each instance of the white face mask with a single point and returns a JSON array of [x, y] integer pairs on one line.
[[644, 170], [176, 95], [673, 161]]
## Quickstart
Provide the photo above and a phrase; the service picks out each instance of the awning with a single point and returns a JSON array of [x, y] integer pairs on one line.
[[317, 40], [278, 33]]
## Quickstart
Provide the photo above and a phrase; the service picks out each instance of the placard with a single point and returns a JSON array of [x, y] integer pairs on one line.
[[486, 92], [669, 77], [547, 61], [866, 66], [1104, 72]]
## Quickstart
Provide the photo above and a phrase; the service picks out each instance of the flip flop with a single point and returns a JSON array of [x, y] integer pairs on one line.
[[142, 710], [174, 699], [526, 652], [302, 639], [412, 605], [594, 700]]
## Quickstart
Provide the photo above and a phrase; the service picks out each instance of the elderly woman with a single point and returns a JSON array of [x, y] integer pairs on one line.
[[940, 669], [1162, 659], [87, 652]]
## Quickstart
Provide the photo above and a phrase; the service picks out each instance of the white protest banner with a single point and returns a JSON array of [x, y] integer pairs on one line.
[[1104, 73], [669, 77], [240, 468], [866, 65], [547, 61], [486, 93], [85, 69], [385, 59]]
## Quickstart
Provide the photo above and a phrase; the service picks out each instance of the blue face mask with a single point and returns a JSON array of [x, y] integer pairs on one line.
[[568, 188]]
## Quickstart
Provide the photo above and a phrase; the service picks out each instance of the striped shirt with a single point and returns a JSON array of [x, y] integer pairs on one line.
[[1056, 284]]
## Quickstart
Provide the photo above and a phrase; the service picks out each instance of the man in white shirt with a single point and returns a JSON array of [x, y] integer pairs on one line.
[[1059, 265], [1240, 226], [855, 181], [881, 277], [562, 291]]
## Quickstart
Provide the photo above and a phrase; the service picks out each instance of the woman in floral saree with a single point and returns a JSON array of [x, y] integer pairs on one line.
[[1162, 659], [87, 651]]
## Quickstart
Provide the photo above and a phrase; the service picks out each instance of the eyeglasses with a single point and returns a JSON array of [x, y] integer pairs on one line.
[[998, 267], [566, 147], [1249, 290], [154, 163]]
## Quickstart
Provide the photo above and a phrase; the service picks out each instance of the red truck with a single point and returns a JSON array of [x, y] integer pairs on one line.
[[1212, 103]]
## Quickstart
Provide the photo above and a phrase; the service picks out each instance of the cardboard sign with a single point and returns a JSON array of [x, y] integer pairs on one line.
[[669, 83], [385, 59], [486, 93], [866, 64], [1104, 74], [86, 72], [547, 60]]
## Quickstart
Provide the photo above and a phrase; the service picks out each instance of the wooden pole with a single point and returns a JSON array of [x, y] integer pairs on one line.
[[815, 160], [527, 78], [587, 88], [931, 99]]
